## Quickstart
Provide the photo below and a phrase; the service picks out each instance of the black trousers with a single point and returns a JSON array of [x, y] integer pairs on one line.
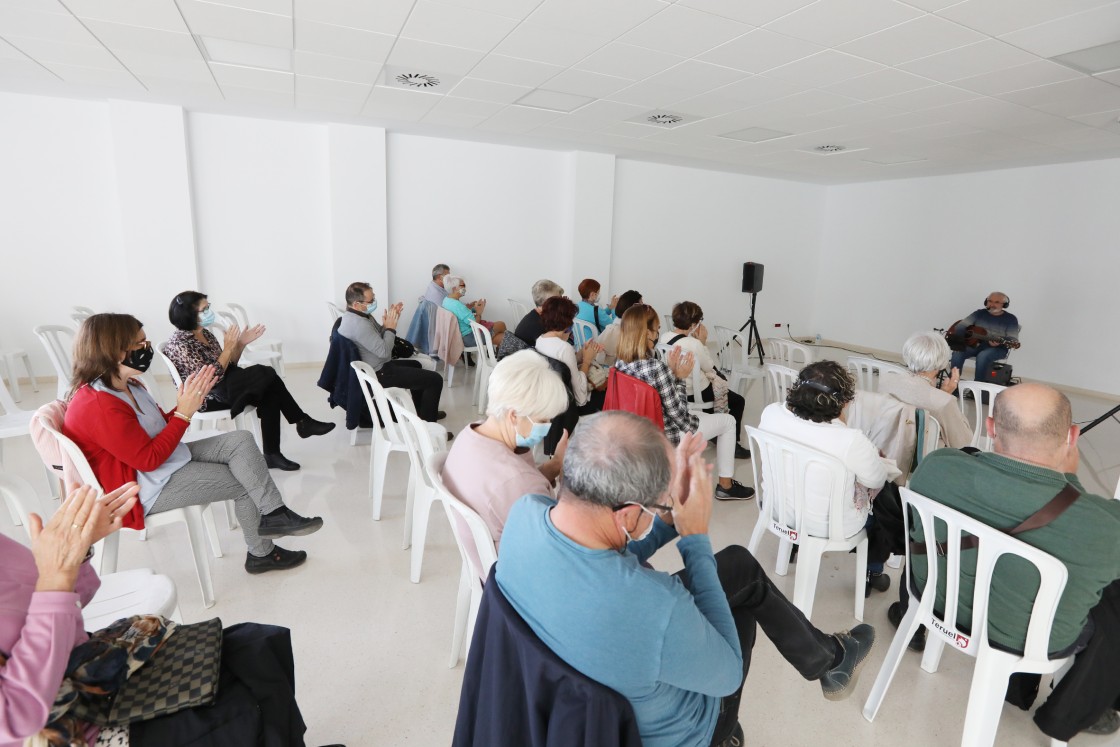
[[424, 386], [263, 388], [755, 601], [735, 405]]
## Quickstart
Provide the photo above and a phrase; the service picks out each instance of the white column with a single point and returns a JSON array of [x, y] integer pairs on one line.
[[359, 226], [591, 204]]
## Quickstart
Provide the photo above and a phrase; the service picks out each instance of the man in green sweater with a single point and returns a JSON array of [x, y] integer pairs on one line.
[[1035, 456]]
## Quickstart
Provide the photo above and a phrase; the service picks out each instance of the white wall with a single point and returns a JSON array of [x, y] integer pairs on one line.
[[907, 255]]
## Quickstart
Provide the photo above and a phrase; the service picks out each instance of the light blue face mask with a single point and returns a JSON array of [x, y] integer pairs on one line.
[[536, 435], [372, 307], [206, 318]]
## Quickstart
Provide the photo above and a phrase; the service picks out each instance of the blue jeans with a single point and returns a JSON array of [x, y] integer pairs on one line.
[[985, 356]]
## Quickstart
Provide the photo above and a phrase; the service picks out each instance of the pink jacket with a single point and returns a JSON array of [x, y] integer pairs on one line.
[[38, 629], [448, 339]]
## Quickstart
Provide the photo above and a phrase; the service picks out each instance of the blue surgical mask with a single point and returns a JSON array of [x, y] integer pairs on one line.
[[206, 318], [536, 435], [372, 307]]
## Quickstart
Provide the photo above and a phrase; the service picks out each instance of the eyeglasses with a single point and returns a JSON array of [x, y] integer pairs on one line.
[[645, 507], [142, 345]]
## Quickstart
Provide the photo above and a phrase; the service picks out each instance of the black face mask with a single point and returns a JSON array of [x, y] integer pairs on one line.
[[139, 359]]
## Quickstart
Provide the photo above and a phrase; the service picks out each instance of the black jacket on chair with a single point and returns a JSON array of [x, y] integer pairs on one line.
[[516, 691], [341, 382]]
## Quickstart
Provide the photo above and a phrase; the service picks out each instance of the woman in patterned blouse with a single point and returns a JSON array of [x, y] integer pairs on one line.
[[641, 327], [193, 346]]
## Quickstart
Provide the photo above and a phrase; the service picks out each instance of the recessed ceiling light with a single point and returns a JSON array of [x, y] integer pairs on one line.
[[661, 118], [246, 54], [755, 134], [554, 101], [1099, 59]]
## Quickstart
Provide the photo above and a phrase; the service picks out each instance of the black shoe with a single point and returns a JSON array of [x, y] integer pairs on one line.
[[450, 435], [1108, 723], [309, 427], [839, 682], [742, 453], [284, 522], [277, 560], [279, 461], [736, 739], [877, 581], [737, 492], [894, 614], [440, 415]]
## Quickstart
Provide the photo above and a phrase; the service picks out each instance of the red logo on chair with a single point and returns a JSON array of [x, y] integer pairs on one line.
[[783, 530], [959, 639], [962, 640]]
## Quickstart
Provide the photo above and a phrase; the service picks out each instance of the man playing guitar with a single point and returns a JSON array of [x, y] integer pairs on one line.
[[986, 333]]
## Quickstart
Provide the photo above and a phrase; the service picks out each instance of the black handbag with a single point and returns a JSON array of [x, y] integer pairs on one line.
[[402, 348]]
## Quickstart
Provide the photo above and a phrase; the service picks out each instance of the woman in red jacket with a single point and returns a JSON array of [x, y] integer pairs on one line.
[[126, 436]]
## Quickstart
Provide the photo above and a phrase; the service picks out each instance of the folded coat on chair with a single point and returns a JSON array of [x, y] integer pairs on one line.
[[341, 382], [448, 339]]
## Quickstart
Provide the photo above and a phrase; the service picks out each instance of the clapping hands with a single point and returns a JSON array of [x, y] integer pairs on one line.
[[680, 363]]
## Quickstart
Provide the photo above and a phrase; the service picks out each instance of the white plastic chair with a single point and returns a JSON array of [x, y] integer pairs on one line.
[[778, 381], [136, 592], [449, 370], [476, 548], [930, 431], [866, 370], [697, 378], [787, 353], [8, 359], [80, 314], [519, 310], [385, 440], [780, 470], [15, 423], [265, 353], [735, 361], [105, 560], [980, 439], [245, 421], [487, 359], [993, 667], [58, 342], [334, 310], [583, 332], [275, 346]]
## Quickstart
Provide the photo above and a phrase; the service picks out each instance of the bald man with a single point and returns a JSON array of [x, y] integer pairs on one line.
[[1035, 456], [1002, 329]]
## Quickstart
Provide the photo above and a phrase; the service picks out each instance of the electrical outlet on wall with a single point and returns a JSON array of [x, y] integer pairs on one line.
[[777, 325]]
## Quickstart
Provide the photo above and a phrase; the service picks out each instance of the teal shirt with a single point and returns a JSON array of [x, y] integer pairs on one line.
[[461, 312], [1002, 492], [673, 652]]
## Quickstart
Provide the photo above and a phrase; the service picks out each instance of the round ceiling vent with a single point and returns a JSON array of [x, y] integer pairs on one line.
[[665, 119], [829, 148], [418, 80]]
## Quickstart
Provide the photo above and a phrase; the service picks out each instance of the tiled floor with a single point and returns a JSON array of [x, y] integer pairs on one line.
[[372, 648]]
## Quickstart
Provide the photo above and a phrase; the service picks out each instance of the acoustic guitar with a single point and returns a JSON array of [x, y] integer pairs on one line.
[[972, 335]]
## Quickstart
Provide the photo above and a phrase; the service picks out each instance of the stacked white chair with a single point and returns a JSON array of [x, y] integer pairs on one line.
[[789, 353], [780, 470], [16, 423], [59, 344], [979, 390], [866, 370], [487, 359], [334, 310], [266, 354], [993, 667], [583, 332], [778, 381], [9, 357], [260, 346], [519, 310], [735, 361]]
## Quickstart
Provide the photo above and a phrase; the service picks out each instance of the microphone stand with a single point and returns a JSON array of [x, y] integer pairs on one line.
[[754, 340], [1101, 419]]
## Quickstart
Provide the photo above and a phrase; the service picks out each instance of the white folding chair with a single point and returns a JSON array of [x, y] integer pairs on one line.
[[735, 361], [58, 342], [387, 439], [334, 310], [136, 592], [424, 441], [449, 370], [781, 467], [865, 371], [263, 353], [105, 560], [993, 666], [698, 380], [260, 346], [519, 310], [245, 421], [80, 314], [583, 332], [9, 357], [487, 359], [979, 389], [789, 353], [778, 381], [476, 548]]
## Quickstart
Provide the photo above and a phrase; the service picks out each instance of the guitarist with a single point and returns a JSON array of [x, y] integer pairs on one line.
[[986, 334]]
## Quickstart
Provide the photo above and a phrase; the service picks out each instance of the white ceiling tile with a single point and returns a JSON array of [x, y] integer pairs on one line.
[[931, 5], [754, 13], [469, 107], [711, 104], [876, 85], [1113, 77], [998, 17], [609, 18], [1109, 120], [627, 61], [586, 83], [278, 7], [987, 113], [650, 95], [629, 129], [570, 124], [1038, 73], [803, 104], [153, 14], [238, 24], [939, 130], [335, 68], [82, 55], [554, 46], [395, 103], [252, 77], [120, 37], [833, 22], [758, 90], [327, 105], [518, 119], [426, 57], [323, 38], [8, 52], [333, 89], [502, 69], [605, 111], [696, 77], [182, 91], [145, 65], [860, 113], [62, 27], [824, 69], [683, 31], [487, 90], [927, 98], [968, 61], [1069, 98], [510, 8], [92, 76], [29, 77], [908, 41], [452, 119], [382, 16], [554, 100], [40, 6], [1069, 34], [759, 51], [455, 26], [258, 96]]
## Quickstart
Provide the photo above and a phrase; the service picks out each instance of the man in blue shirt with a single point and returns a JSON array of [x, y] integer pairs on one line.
[[678, 647], [1002, 330]]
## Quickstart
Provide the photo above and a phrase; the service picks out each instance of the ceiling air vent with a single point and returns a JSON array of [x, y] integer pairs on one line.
[[664, 119], [417, 80], [829, 148]]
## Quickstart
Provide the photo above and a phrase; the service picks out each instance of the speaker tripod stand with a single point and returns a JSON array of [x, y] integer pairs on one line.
[[754, 340]]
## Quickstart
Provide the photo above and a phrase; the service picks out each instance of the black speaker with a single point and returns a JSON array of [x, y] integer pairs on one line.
[[752, 277]]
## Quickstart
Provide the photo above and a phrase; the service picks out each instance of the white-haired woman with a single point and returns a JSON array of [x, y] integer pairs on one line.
[[490, 465], [456, 288], [926, 354]]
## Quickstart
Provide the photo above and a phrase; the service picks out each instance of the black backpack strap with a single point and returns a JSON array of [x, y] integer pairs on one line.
[[675, 340]]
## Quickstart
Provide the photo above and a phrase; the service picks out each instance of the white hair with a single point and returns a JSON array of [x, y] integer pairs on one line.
[[451, 282], [925, 351], [614, 458], [524, 383], [544, 290]]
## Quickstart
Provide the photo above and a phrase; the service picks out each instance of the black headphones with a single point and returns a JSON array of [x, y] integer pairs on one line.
[[1006, 302]]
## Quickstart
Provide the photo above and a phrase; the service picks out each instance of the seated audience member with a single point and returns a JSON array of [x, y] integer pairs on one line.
[[926, 354], [436, 292], [192, 346], [1035, 457], [589, 309], [529, 328], [641, 327], [609, 336], [690, 334], [466, 313], [557, 314], [375, 345], [127, 437], [491, 465], [678, 647], [42, 592]]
